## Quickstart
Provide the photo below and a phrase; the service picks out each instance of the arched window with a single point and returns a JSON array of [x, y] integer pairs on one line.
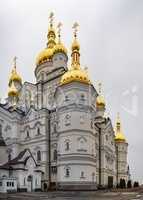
[[24, 181], [38, 131], [38, 155], [27, 134], [82, 174], [55, 128], [93, 177], [0, 130], [36, 182], [67, 146], [82, 144], [55, 155]]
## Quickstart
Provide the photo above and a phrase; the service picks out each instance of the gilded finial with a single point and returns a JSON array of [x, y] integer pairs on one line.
[[59, 31], [118, 116], [100, 101], [75, 49], [119, 134], [100, 88], [14, 62], [51, 17], [118, 122], [75, 26], [14, 75]]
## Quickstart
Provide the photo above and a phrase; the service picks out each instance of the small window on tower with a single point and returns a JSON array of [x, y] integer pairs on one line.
[[0, 130], [67, 172], [55, 128], [55, 155], [38, 156], [82, 97], [27, 134], [38, 131], [82, 175], [67, 146], [66, 98], [106, 137]]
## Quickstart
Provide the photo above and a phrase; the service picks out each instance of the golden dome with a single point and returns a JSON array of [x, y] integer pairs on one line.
[[78, 75], [13, 92], [44, 56], [75, 73], [75, 45], [119, 137], [100, 101], [15, 77], [59, 47]]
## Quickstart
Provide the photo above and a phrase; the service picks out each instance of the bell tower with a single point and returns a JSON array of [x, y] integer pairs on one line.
[[121, 153]]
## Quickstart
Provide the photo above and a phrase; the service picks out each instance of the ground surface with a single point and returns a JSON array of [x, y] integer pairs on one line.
[[73, 196]]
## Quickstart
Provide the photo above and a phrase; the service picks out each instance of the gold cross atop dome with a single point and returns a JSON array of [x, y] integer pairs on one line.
[[59, 47], [99, 87], [59, 30], [75, 26], [14, 61], [51, 17]]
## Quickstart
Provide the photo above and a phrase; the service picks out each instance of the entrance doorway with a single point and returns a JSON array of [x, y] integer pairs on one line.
[[110, 181], [30, 183]]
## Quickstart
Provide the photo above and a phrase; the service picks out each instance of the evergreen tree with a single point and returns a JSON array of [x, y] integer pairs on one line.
[[129, 184]]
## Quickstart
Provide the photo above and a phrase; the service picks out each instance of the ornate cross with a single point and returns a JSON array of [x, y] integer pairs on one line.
[[75, 26], [99, 87], [14, 61], [59, 29], [51, 17]]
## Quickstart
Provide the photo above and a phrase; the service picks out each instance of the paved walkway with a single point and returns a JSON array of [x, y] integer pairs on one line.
[[72, 196]]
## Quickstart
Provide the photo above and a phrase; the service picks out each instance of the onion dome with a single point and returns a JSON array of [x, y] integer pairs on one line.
[[75, 45], [78, 75], [14, 75], [12, 92], [119, 137], [44, 56], [47, 53], [75, 73], [100, 100], [59, 47]]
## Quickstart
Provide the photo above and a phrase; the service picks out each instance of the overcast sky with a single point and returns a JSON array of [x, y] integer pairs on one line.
[[111, 37]]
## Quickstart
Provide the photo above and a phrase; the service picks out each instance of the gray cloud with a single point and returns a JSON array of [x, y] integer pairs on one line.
[[111, 37]]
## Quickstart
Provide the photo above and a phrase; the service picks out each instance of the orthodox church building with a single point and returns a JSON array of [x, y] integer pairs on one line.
[[55, 133]]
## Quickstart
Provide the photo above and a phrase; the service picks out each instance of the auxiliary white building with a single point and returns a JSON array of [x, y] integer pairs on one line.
[[54, 133]]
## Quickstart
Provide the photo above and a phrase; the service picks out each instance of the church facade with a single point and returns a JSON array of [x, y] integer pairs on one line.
[[55, 133]]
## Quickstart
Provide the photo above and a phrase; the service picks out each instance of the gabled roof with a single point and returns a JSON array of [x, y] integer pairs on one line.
[[10, 109], [2, 142], [20, 159]]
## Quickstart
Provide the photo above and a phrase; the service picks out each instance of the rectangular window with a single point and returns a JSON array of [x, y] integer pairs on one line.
[[0, 184], [54, 169]]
